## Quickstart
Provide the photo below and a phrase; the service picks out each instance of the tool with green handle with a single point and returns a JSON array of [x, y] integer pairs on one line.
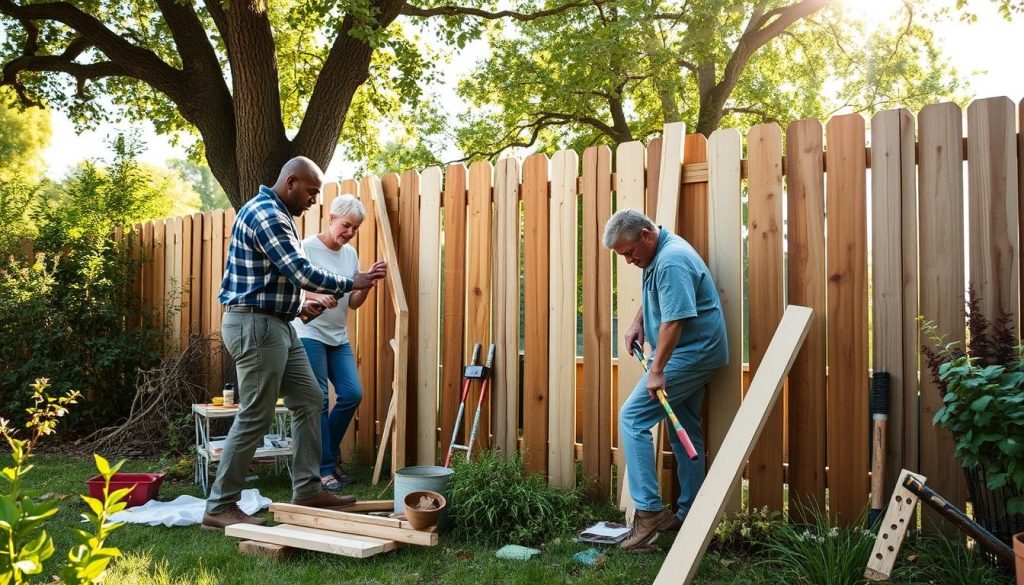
[[638, 351]]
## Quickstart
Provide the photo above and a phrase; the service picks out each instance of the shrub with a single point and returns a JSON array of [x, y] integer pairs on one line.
[[24, 544], [745, 532], [493, 500], [982, 394], [68, 311], [936, 559]]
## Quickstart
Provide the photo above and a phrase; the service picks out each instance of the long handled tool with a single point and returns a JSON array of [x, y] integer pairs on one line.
[[480, 404], [880, 419], [466, 381], [638, 351]]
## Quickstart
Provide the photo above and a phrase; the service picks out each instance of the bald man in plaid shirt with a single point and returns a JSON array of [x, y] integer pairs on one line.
[[262, 293]]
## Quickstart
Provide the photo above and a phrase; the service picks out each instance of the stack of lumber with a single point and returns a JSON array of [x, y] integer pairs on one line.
[[347, 533]]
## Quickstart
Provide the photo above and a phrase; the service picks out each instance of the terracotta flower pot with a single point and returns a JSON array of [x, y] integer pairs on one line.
[[421, 518], [1018, 553]]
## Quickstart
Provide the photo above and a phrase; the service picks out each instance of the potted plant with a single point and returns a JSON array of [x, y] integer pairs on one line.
[[983, 407]]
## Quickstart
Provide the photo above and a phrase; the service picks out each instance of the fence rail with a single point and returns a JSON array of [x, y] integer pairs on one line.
[[490, 253]]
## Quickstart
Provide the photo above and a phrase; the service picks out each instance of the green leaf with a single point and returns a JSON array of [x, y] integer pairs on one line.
[[982, 403], [102, 466]]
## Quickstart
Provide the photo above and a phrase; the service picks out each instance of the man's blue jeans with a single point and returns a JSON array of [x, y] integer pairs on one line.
[[337, 364], [639, 413]]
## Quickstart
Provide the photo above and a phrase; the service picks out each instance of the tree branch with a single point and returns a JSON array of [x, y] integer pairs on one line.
[[134, 60], [410, 10]]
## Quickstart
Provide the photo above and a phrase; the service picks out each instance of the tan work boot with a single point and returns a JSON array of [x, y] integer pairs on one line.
[[233, 515], [325, 499], [644, 531], [670, 524]]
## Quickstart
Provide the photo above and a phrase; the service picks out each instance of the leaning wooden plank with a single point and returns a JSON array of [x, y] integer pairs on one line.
[[384, 438], [340, 515], [348, 545], [698, 528], [671, 175], [406, 535], [902, 511]]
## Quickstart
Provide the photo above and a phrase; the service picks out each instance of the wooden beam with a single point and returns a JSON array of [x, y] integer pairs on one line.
[[692, 541], [347, 545]]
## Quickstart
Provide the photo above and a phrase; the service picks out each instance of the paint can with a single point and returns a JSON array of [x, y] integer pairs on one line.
[[432, 478]]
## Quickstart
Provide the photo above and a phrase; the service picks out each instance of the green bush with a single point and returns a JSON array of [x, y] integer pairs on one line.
[[68, 311], [937, 559], [24, 544], [492, 500]]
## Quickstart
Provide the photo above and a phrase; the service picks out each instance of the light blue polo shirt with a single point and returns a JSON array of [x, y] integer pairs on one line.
[[677, 285]]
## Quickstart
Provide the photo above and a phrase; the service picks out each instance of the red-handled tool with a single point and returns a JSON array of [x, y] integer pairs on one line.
[[638, 351]]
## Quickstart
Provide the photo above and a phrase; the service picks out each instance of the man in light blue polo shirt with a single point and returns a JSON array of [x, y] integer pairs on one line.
[[681, 318]]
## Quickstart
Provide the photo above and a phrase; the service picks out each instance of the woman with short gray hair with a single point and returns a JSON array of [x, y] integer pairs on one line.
[[325, 335]]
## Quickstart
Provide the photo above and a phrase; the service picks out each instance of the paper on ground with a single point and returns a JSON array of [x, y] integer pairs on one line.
[[184, 510]]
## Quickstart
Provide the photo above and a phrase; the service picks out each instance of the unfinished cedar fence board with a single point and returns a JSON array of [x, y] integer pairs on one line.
[[346, 545], [765, 223], [919, 152], [275, 552], [692, 541]]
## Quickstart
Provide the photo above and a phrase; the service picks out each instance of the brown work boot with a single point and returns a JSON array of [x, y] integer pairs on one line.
[[325, 499], [670, 524], [644, 531], [233, 515]]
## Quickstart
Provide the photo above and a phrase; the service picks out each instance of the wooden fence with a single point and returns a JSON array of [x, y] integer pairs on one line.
[[479, 245]]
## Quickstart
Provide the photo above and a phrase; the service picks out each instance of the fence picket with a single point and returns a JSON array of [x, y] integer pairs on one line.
[[725, 256], [764, 143], [536, 290], [562, 349], [366, 336], [408, 257], [941, 209], [478, 290], [806, 286], [428, 315], [846, 210], [597, 325], [894, 281], [452, 356], [505, 300]]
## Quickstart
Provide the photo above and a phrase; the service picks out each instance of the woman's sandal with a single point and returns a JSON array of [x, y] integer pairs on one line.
[[330, 483]]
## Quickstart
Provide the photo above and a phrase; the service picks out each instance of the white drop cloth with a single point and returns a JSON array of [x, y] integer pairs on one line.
[[184, 510]]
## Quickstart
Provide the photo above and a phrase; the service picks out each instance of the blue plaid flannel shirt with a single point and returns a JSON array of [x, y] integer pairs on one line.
[[266, 267]]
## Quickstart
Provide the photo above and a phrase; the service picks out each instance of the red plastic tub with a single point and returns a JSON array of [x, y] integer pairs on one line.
[[145, 486]]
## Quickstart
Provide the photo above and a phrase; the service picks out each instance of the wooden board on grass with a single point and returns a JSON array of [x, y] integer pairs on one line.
[[359, 526], [335, 543], [371, 506], [693, 538]]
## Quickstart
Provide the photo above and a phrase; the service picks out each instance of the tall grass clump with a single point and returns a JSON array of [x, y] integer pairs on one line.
[[817, 550], [493, 500], [948, 561]]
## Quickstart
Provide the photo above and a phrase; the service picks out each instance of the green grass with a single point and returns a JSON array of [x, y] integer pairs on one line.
[[186, 555]]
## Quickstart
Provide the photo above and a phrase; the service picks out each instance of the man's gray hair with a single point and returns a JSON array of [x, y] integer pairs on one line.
[[348, 205], [626, 223]]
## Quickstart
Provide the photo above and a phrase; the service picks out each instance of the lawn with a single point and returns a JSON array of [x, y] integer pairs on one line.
[[191, 555]]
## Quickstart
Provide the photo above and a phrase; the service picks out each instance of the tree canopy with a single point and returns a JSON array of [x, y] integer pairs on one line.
[[618, 70], [259, 81], [24, 135]]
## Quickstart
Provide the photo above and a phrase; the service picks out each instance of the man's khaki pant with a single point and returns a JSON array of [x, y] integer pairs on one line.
[[269, 360]]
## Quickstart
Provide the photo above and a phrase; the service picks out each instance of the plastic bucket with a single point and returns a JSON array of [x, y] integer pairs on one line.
[[432, 478]]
